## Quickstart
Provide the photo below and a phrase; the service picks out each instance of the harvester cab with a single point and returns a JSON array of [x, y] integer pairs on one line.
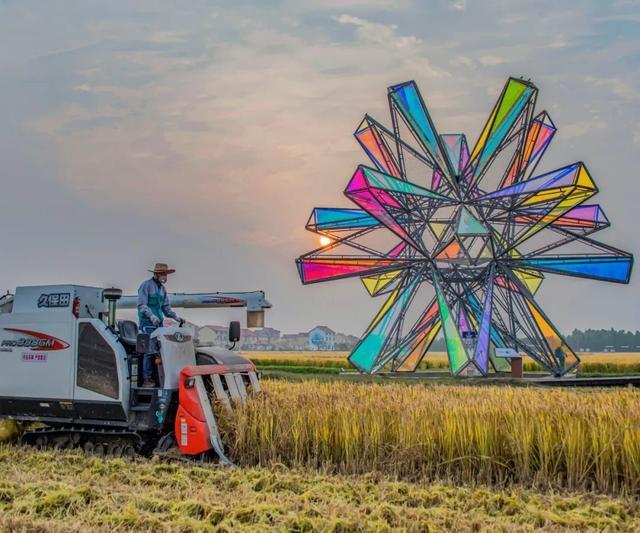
[[69, 364]]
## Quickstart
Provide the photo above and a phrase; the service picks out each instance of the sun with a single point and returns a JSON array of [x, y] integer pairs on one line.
[[325, 241]]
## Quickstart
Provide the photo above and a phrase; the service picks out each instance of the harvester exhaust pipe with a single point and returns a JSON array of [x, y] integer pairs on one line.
[[112, 296]]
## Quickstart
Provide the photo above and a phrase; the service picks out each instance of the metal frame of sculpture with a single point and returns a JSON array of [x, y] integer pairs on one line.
[[477, 225]]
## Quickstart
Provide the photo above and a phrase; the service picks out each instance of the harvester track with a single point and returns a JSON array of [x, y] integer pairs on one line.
[[102, 441], [111, 443]]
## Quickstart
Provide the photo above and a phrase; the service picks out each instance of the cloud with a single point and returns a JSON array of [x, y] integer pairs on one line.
[[458, 5], [463, 61], [206, 135], [616, 86], [424, 67], [82, 88], [166, 37], [489, 60], [384, 34], [583, 127], [369, 4]]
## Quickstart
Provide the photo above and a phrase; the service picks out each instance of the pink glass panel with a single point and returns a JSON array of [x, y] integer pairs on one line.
[[357, 181], [385, 198], [312, 270], [397, 250]]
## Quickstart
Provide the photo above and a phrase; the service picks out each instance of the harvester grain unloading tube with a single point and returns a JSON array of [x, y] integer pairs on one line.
[[254, 301]]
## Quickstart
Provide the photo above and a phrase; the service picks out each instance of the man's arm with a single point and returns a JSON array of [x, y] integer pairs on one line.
[[166, 307], [143, 301]]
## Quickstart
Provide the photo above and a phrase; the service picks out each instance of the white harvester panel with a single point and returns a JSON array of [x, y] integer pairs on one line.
[[37, 352], [176, 345], [38, 340], [59, 299]]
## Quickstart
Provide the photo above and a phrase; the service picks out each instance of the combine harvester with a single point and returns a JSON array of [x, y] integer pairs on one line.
[[68, 364]]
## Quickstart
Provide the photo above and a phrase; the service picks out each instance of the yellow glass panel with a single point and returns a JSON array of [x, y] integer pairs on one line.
[[559, 348], [547, 195], [374, 284], [413, 359], [531, 280], [575, 198], [487, 252], [438, 228], [584, 179], [383, 309], [550, 335], [485, 133]]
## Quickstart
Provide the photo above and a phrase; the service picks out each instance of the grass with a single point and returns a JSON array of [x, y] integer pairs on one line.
[[299, 369], [465, 435], [592, 363], [68, 491]]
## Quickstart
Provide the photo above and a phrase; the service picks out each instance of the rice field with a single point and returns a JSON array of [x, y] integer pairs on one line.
[[498, 436], [592, 363], [68, 491], [343, 456]]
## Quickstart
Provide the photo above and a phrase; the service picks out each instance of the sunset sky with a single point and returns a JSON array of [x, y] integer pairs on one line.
[[202, 133]]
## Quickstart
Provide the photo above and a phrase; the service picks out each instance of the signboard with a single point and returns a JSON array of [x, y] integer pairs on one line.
[[507, 353]]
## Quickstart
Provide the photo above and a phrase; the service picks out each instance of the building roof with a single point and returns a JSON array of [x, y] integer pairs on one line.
[[325, 329], [214, 328], [270, 332]]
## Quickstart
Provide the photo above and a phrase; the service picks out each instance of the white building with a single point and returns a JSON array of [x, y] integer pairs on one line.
[[322, 338], [213, 336]]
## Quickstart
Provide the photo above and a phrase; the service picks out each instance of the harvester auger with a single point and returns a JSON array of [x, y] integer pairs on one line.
[[69, 365]]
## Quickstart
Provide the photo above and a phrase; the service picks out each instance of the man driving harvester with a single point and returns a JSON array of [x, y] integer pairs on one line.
[[153, 306]]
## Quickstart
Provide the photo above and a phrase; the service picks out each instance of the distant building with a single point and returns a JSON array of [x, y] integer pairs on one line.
[[266, 338], [346, 342], [322, 338], [295, 341], [260, 339], [263, 339], [213, 336], [269, 339]]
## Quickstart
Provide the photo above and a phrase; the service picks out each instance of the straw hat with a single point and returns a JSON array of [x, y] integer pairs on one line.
[[162, 268]]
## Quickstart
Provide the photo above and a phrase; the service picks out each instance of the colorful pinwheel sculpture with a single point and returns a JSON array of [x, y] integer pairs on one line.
[[481, 227]]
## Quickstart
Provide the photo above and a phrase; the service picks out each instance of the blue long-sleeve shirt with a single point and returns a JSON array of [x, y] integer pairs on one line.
[[151, 288]]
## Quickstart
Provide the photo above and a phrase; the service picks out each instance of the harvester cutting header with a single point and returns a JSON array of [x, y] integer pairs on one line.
[[67, 362]]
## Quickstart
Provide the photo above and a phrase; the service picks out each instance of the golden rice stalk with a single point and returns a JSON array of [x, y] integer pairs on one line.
[[468, 434]]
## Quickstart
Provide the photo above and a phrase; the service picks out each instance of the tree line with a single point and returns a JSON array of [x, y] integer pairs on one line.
[[599, 340]]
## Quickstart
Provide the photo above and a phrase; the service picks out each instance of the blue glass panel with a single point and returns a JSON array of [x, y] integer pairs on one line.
[[481, 353], [328, 218], [368, 350], [496, 338], [556, 178], [408, 99], [616, 269]]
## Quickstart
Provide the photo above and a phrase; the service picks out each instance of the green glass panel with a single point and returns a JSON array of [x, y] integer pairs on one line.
[[455, 348], [469, 224], [514, 90]]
